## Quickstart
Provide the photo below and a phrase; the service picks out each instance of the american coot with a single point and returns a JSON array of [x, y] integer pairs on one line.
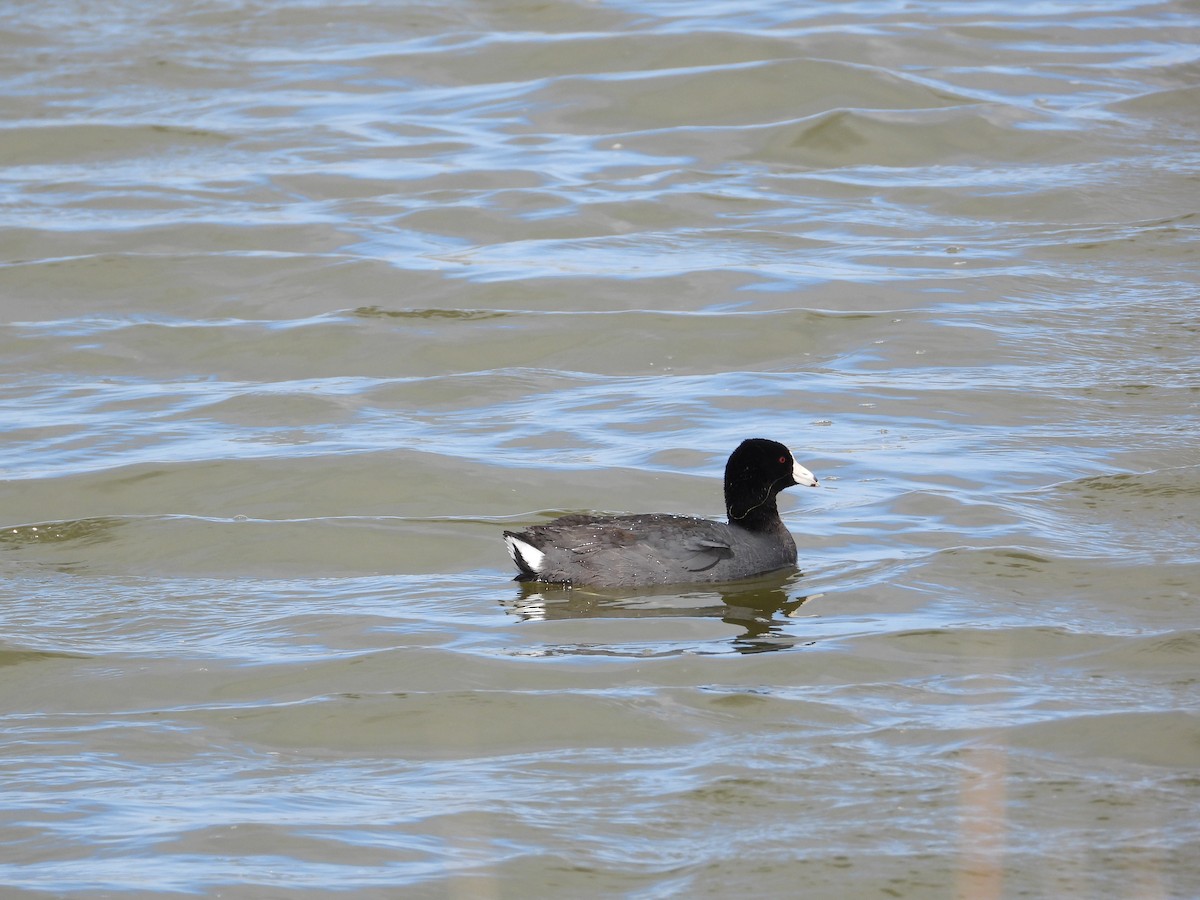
[[631, 551]]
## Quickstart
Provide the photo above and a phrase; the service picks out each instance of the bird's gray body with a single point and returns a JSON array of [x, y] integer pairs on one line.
[[660, 549], [654, 549]]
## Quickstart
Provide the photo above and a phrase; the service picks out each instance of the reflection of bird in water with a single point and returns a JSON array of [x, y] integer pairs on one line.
[[761, 606]]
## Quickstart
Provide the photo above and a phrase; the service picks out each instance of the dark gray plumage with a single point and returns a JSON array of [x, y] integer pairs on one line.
[[655, 549]]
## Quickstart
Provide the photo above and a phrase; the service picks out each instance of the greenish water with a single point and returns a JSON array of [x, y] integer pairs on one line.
[[303, 304]]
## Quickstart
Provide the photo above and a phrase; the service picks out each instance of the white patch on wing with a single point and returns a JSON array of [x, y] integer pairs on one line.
[[801, 475], [522, 550]]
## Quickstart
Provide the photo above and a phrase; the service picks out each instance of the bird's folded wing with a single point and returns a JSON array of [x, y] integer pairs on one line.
[[705, 553]]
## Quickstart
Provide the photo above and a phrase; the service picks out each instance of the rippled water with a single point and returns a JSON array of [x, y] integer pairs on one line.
[[305, 302]]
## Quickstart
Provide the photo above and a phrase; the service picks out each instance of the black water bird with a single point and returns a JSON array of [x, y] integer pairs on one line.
[[658, 549]]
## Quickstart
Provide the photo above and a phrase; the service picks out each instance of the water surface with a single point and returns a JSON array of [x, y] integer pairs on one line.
[[303, 304]]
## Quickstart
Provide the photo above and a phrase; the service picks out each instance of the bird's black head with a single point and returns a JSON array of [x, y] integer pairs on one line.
[[758, 470]]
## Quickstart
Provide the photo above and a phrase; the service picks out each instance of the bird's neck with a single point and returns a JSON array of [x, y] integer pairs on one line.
[[752, 513]]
